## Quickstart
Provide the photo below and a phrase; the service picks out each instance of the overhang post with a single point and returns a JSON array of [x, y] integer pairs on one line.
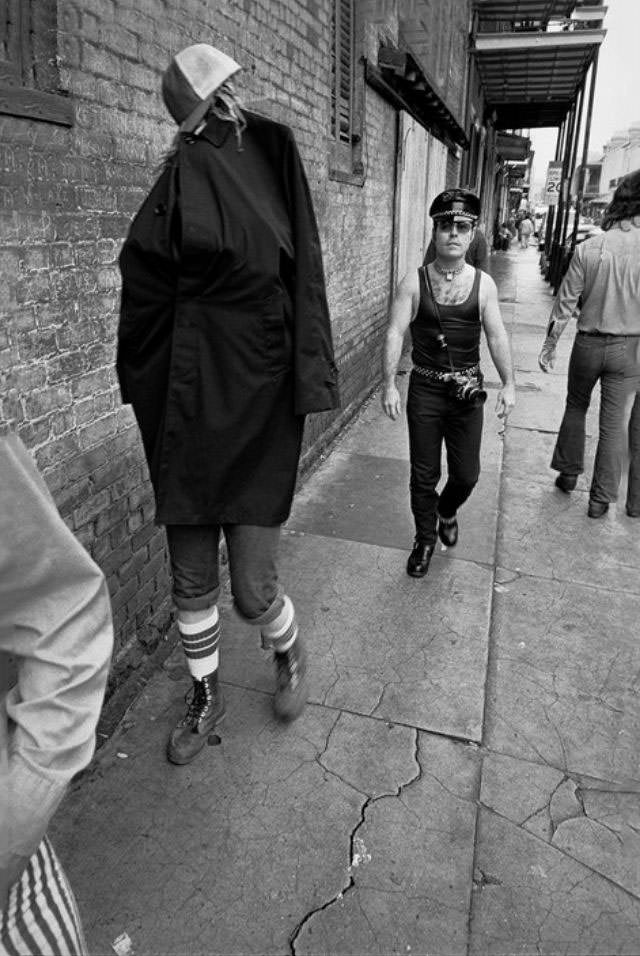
[[585, 148], [573, 155], [555, 248]]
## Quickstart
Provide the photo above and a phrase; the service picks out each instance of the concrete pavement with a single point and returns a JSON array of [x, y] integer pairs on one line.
[[465, 778]]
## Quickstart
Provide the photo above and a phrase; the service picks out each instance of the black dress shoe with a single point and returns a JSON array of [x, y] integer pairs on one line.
[[418, 563], [448, 531], [632, 514], [566, 483], [597, 509]]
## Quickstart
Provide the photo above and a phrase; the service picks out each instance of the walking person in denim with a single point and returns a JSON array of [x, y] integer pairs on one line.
[[224, 346], [605, 273]]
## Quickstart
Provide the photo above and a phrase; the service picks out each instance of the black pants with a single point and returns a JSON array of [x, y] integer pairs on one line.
[[435, 415]]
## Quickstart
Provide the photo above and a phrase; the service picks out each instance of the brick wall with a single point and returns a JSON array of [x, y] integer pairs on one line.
[[66, 200]]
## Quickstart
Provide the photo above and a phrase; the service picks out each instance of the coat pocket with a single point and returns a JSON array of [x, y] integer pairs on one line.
[[276, 334]]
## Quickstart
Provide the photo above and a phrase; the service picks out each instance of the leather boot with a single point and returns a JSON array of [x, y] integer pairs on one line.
[[448, 531], [292, 682], [566, 482], [418, 563], [597, 509], [205, 709]]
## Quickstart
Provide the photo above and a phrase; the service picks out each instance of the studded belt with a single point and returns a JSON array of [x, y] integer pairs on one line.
[[438, 376]]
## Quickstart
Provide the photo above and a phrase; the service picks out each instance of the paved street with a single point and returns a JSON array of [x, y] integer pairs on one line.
[[465, 778]]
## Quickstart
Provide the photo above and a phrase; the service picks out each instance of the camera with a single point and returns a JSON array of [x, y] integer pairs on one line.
[[468, 388]]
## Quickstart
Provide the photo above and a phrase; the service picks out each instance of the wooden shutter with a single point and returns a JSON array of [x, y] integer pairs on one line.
[[13, 35], [342, 71]]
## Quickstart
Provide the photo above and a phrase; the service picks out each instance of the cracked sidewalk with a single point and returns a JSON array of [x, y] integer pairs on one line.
[[465, 778]]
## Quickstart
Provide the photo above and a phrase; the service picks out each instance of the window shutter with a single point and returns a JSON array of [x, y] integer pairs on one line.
[[342, 71], [12, 39]]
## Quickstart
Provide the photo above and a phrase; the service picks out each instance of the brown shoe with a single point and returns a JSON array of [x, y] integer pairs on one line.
[[205, 709]]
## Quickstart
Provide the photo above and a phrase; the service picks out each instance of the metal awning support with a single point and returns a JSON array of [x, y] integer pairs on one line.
[[585, 148], [403, 82], [570, 155], [558, 257]]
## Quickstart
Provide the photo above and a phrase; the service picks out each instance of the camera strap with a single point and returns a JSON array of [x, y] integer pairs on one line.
[[442, 336]]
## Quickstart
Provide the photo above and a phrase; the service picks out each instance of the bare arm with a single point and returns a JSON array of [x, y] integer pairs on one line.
[[498, 342], [403, 308]]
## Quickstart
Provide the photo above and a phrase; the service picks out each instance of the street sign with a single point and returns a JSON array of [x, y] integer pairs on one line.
[[553, 184]]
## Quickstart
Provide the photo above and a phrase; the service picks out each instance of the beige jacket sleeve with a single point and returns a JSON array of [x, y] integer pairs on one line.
[[55, 623]]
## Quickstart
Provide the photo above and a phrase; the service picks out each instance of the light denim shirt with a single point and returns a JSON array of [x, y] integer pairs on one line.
[[605, 271], [55, 620]]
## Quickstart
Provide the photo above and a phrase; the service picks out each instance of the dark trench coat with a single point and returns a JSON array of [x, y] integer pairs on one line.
[[224, 341]]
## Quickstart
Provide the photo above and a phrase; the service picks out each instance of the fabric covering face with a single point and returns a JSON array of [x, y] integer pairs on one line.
[[224, 341]]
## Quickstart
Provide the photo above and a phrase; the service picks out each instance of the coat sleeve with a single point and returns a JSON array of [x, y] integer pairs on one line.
[[315, 372], [56, 624]]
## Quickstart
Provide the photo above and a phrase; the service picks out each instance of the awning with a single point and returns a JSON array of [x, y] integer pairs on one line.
[[401, 80], [531, 79], [543, 10]]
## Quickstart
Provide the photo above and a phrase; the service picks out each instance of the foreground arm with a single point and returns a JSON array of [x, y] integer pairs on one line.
[[403, 308], [563, 309], [498, 342], [55, 621]]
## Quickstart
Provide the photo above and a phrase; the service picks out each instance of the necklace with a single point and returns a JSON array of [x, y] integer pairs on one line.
[[448, 273]]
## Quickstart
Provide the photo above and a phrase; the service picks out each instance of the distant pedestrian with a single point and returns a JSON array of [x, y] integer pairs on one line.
[[224, 348], [445, 304], [55, 623], [525, 231], [503, 238], [604, 273]]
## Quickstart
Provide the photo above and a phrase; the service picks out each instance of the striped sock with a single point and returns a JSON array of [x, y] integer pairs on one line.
[[200, 643], [281, 633]]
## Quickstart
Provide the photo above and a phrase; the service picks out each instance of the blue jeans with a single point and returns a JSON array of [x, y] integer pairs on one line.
[[613, 360], [253, 552], [633, 489], [434, 416]]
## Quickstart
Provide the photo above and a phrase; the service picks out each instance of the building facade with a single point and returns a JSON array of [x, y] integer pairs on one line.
[[621, 155], [376, 98]]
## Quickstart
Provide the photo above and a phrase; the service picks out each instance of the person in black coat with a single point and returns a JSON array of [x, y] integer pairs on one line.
[[224, 346]]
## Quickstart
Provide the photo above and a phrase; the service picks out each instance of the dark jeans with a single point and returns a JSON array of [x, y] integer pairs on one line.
[[253, 553], [633, 489], [434, 416], [613, 361]]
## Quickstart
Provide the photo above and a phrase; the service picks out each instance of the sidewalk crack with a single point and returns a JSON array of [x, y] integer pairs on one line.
[[356, 844]]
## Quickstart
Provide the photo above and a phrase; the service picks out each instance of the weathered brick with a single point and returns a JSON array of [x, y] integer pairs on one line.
[[129, 569], [90, 508], [67, 198], [114, 561], [112, 515]]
